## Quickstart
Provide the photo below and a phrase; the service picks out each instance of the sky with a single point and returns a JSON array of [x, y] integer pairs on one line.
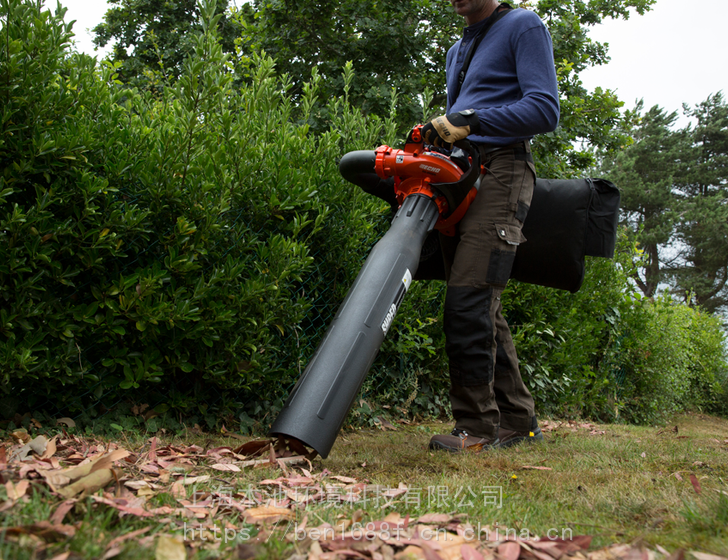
[[676, 53]]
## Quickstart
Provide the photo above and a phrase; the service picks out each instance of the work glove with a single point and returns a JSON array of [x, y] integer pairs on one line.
[[444, 131]]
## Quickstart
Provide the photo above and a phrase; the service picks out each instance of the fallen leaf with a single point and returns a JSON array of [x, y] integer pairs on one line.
[[696, 483], [470, 553], [224, 467], [509, 550], [36, 445], [20, 436], [411, 552], [384, 425], [136, 484], [169, 548], [434, 518], [344, 479], [124, 506], [89, 484], [178, 490], [103, 462], [537, 468], [132, 535], [315, 552], [67, 421], [677, 475], [50, 449], [153, 449], [16, 491], [705, 556], [196, 479], [45, 530], [267, 514], [253, 448], [61, 511], [111, 552]]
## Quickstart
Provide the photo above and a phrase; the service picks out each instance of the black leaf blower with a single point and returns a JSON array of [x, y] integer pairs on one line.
[[433, 192]]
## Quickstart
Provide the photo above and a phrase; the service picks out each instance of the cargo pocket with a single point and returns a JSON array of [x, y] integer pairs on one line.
[[510, 234], [501, 258]]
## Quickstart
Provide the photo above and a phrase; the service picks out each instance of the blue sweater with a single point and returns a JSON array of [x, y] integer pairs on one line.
[[511, 81]]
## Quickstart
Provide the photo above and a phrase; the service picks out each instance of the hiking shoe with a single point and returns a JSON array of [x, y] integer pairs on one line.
[[508, 438], [459, 440]]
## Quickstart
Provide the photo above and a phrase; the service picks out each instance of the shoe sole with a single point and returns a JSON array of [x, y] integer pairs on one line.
[[437, 446], [537, 436]]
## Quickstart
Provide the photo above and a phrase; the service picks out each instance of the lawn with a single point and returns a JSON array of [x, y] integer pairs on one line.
[[589, 491]]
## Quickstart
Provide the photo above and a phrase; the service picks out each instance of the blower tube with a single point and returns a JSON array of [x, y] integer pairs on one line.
[[320, 401]]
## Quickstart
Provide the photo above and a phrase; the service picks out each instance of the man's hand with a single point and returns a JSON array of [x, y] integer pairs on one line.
[[444, 131]]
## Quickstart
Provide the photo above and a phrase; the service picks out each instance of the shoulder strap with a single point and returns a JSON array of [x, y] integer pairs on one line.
[[497, 15]]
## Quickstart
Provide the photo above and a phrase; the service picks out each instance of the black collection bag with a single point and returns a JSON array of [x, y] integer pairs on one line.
[[568, 219]]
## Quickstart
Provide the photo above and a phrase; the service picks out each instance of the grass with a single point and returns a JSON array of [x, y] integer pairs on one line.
[[621, 484]]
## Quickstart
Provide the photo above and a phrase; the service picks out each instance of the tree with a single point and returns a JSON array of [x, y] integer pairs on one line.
[[402, 45], [703, 188], [675, 200], [645, 173], [396, 45], [151, 38]]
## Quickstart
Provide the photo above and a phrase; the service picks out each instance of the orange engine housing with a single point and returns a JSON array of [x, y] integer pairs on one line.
[[416, 171]]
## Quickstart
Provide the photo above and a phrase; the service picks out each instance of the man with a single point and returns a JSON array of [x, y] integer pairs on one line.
[[506, 95]]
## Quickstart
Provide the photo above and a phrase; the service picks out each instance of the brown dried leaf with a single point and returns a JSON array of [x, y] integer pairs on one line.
[[20, 436], [696, 483], [37, 445], [225, 467], [124, 506], [50, 449], [384, 425], [61, 511], [45, 530], [469, 552], [434, 518], [89, 484], [537, 468], [510, 550], [315, 552], [344, 479], [705, 556], [16, 491], [551, 548], [268, 515], [253, 448], [66, 421], [196, 479], [153, 449], [411, 552], [103, 462], [178, 490], [169, 548]]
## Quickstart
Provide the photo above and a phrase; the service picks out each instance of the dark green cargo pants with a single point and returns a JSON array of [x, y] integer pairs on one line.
[[486, 385]]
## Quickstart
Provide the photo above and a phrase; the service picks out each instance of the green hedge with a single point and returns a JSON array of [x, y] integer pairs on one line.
[[164, 243], [188, 250], [607, 352]]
